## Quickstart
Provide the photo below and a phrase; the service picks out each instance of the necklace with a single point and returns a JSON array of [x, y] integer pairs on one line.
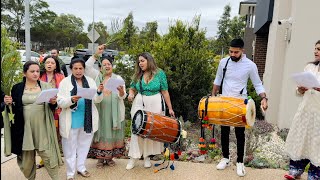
[[31, 88]]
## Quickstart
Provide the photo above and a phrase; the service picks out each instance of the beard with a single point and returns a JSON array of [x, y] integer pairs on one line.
[[236, 59]]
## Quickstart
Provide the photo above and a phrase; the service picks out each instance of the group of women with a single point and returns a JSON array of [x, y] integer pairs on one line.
[[88, 127], [95, 127]]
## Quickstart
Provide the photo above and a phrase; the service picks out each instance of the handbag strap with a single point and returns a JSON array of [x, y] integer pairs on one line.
[[162, 98], [141, 90]]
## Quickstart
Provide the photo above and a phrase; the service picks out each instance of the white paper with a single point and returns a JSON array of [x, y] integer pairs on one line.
[[46, 95], [113, 83], [86, 93], [306, 79]]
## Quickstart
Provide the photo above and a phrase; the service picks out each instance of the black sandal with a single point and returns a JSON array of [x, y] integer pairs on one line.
[[39, 166]]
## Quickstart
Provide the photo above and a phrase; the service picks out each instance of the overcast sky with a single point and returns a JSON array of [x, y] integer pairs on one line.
[[165, 12]]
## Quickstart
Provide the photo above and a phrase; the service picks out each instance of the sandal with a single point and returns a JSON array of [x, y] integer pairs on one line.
[[39, 166], [291, 177], [111, 162], [84, 173], [100, 164]]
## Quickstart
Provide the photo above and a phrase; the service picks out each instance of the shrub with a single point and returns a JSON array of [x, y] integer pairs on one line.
[[257, 100], [127, 128]]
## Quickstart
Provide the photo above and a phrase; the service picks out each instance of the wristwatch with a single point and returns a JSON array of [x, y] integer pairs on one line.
[[264, 98]]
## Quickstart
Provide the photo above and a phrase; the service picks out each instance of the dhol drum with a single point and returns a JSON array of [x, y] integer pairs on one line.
[[228, 111], [156, 127]]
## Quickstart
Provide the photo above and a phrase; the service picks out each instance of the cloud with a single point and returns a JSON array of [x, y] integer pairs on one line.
[[162, 11]]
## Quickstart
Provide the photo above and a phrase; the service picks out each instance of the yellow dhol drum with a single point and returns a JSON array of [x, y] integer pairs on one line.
[[228, 111]]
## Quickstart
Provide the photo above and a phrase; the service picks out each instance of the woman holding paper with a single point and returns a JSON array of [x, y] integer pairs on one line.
[[108, 141], [150, 84], [51, 73], [32, 127], [303, 141], [79, 118]]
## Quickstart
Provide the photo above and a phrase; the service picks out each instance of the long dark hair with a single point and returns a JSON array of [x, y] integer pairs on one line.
[[43, 69], [152, 66], [316, 62]]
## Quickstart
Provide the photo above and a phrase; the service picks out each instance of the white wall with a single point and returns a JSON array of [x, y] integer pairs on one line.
[[285, 58]]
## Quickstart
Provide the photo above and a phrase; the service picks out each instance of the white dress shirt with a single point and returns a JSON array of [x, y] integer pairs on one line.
[[236, 77]]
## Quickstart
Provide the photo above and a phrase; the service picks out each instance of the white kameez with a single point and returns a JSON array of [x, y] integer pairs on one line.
[[143, 146], [303, 141]]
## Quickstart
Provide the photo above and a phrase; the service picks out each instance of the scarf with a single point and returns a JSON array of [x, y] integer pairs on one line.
[[115, 111], [88, 104]]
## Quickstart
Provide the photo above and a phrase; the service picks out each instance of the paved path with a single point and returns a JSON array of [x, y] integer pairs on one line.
[[183, 170]]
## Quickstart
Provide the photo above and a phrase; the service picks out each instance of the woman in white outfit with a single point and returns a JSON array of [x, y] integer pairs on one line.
[[151, 84], [79, 118], [303, 141]]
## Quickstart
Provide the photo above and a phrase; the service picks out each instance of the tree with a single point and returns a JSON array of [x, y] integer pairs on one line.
[[67, 28], [43, 30], [228, 29], [236, 27], [223, 38], [184, 55], [127, 34], [13, 13], [149, 32]]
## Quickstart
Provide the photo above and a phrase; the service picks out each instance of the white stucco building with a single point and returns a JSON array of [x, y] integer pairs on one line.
[[287, 49]]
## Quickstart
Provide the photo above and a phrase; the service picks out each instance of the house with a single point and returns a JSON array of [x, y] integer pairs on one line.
[[285, 34]]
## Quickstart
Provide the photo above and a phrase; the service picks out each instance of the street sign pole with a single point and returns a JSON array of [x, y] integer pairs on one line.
[[27, 31], [93, 27], [93, 35]]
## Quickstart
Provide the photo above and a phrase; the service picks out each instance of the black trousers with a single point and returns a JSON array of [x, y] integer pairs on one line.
[[225, 132]]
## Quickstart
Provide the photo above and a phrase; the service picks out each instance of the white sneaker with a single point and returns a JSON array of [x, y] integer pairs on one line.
[[147, 163], [131, 163], [224, 162], [240, 169]]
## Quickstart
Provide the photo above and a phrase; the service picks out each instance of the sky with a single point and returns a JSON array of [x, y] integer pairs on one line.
[[165, 12]]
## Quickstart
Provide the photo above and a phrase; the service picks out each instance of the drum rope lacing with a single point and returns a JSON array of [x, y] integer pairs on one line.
[[164, 127], [224, 110]]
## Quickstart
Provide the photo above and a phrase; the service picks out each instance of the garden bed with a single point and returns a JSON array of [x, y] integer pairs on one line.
[[264, 146]]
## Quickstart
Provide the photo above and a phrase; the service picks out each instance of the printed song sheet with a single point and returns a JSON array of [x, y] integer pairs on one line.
[[306, 79], [46, 95], [87, 93], [113, 83]]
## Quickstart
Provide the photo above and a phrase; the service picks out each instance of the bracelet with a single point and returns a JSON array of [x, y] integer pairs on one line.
[[264, 98], [97, 56]]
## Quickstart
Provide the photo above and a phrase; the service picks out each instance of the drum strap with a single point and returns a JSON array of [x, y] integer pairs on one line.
[[223, 75], [206, 105]]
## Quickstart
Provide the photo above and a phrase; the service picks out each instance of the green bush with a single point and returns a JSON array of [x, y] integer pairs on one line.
[[127, 128], [214, 152], [79, 46], [257, 100]]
